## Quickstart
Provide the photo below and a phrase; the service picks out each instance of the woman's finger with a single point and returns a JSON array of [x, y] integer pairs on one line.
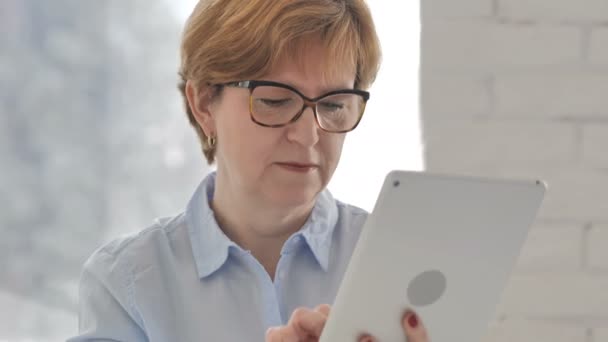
[[307, 323], [281, 334], [413, 328], [324, 309], [366, 338]]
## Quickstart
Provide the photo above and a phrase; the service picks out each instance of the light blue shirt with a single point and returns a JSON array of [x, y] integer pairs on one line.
[[183, 280]]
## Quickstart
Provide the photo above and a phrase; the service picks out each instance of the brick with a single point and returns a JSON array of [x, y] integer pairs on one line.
[[567, 94], [548, 295], [575, 193], [552, 247], [554, 10], [600, 334], [456, 9], [489, 46], [598, 46], [534, 331], [445, 96], [595, 145], [459, 143], [597, 245]]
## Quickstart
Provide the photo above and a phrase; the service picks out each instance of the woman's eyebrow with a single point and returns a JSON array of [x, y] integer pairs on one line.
[[322, 91]]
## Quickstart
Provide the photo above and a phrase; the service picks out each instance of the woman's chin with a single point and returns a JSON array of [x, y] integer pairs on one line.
[[294, 197]]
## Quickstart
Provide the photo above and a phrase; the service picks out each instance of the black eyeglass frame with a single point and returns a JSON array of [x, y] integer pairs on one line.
[[308, 102]]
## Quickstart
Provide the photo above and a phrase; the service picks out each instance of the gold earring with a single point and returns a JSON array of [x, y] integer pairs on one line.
[[211, 141]]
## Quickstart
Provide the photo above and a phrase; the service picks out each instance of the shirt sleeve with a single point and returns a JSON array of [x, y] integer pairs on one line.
[[104, 304]]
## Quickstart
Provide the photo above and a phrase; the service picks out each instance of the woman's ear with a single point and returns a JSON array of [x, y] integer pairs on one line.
[[199, 101]]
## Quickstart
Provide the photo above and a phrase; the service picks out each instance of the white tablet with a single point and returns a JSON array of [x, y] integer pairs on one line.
[[442, 245]]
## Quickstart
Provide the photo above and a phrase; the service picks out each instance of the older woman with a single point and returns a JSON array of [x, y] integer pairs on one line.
[[271, 88]]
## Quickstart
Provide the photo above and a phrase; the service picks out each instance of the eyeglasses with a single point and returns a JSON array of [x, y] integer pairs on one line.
[[273, 104]]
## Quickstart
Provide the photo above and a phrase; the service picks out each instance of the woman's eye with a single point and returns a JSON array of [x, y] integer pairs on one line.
[[331, 106], [274, 102]]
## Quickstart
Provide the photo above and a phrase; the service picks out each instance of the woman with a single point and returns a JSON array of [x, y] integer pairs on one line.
[[271, 88]]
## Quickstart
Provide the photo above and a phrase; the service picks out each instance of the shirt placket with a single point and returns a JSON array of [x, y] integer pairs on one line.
[[270, 301], [282, 272]]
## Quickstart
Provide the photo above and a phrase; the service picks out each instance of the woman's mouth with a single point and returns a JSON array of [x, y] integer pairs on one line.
[[298, 167]]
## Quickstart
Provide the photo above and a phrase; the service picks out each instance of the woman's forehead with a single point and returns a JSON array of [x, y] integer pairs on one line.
[[312, 65], [312, 84]]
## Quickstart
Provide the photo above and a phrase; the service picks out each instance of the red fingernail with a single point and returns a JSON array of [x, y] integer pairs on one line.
[[413, 321]]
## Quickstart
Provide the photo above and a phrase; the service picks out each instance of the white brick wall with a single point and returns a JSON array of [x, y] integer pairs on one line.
[[519, 88], [550, 295], [598, 249], [565, 11], [523, 331], [554, 95], [456, 9], [553, 247], [601, 334], [486, 46], [453, 97], [598, 46], [595, 145], [482, 141]]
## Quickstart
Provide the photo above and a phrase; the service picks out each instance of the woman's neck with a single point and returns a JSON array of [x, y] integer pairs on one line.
[[256, 225]]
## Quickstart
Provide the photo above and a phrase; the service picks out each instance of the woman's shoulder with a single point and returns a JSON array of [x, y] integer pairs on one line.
[[350, 209], [127, 253], [350, 217]]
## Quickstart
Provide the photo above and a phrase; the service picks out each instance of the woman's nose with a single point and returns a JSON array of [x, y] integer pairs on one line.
[[305, 131]]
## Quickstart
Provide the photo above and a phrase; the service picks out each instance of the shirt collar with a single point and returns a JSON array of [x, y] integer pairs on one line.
[[318, 229], [211, 246]]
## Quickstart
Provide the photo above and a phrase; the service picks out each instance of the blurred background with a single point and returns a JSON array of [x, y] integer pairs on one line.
[[94, 142]]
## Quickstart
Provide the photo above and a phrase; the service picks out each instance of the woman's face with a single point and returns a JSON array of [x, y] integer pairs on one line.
[[286, 166]]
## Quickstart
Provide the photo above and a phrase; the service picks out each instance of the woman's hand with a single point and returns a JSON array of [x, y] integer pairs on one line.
[[306, 325], [413, 329]]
